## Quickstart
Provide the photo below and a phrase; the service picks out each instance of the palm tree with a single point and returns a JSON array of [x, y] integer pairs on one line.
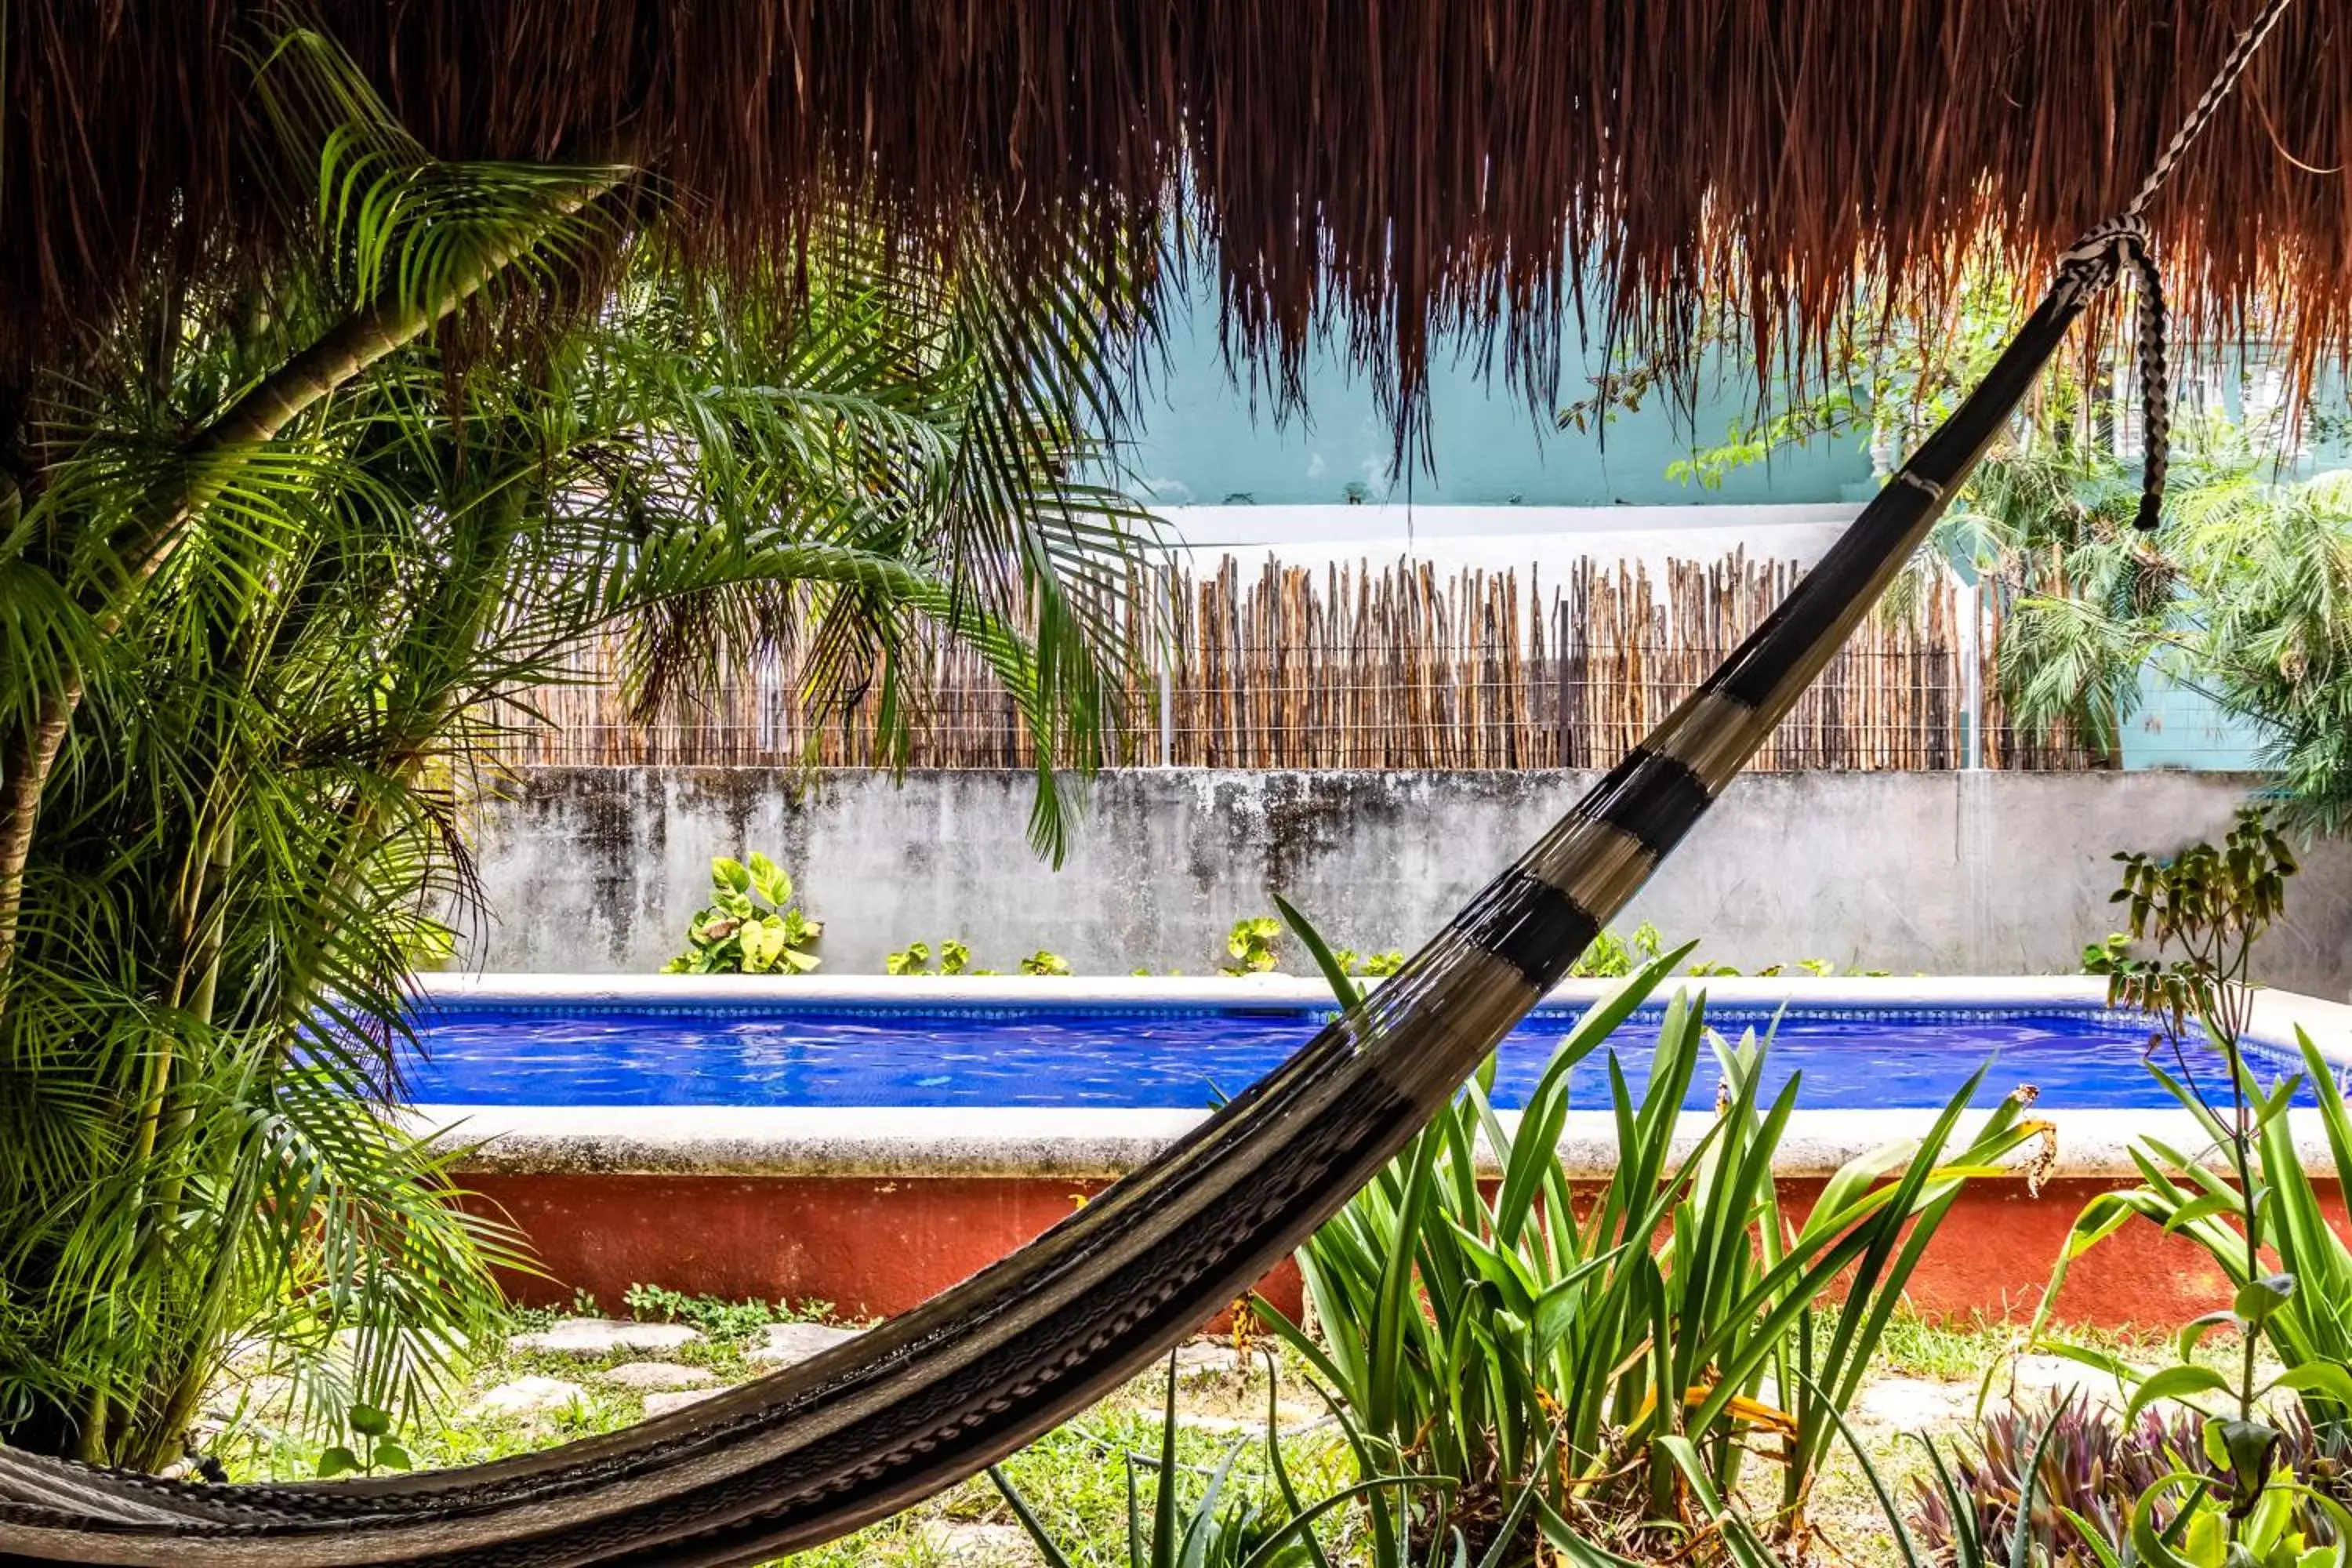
[[2244, 595], [289, 544], [2047, 525]]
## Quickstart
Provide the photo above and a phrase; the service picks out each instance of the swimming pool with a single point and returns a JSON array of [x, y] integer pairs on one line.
[[642, 1051], [869, 1142]]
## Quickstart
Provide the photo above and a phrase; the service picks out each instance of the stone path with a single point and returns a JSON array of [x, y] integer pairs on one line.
[[658, 1376], [1206, 1358], [591, 1337], [781, 1344], [678, 1399], [530, 1396]]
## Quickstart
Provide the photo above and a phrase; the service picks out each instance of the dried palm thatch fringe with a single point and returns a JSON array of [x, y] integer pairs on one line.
[[1484, 165]]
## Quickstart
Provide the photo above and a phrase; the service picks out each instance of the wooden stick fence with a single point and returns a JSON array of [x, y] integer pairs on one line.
[[1387, 667]]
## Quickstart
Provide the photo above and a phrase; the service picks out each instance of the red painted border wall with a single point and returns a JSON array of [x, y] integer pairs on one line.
[[877, 1245]]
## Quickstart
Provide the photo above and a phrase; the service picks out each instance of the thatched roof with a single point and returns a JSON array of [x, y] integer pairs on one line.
[[1394, 165]]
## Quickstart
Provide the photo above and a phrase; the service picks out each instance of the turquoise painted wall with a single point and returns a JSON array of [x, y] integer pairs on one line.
[[1202, 443], [2180, 727]]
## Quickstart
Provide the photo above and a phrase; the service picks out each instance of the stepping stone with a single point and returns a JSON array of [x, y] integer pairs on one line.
[[1206, 1358], [2039, 1378], [781, 1344], [602, 1336], [977, 1545], [257, 1396], [530, 1396], [678, 1399], [647, 1377], [1914, 1404]]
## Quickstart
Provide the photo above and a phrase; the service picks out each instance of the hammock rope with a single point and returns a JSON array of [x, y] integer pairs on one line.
[[2123, 244], [928, 1398]]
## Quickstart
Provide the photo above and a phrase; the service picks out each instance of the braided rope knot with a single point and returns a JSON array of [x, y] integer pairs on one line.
[[2123, 244], [2092, 263]]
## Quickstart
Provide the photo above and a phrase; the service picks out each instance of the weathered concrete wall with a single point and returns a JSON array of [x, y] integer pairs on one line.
[[598, 869]]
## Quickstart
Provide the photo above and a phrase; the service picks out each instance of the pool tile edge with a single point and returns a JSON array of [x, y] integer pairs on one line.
[[1093, 1144], [2276, 1015]]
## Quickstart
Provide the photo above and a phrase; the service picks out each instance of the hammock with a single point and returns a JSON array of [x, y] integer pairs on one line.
[[928, 1399]]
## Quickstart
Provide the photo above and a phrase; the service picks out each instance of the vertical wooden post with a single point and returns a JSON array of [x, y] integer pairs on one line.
[[1166, 642], [1972, 674]]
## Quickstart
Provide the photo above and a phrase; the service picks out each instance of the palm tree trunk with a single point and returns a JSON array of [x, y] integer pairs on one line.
[[29, 760]]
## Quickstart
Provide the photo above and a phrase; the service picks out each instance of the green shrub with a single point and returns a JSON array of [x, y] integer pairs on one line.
[[1251, 944], [915, 958], [2093, 1469], [716, 1317], [1612, 957], [1044, 963], [751, 926], [1819, 968], [372, 1447]]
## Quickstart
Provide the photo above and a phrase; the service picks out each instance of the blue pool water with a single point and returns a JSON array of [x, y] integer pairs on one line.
[[940, 1056]]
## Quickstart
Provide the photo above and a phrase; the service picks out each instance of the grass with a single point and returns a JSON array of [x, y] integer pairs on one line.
[[1958, 1351], [1075, 1477]]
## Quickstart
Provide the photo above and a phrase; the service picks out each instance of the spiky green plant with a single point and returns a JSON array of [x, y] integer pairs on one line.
[[1523, 1341], [1222, 1527], [2094, 1468]]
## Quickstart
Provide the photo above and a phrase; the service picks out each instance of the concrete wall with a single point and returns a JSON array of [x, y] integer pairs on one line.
[[598, 869]]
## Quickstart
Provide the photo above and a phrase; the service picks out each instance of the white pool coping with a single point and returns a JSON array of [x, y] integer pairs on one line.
[[1192, 991], [1093, 1144], [1066, 1144]]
